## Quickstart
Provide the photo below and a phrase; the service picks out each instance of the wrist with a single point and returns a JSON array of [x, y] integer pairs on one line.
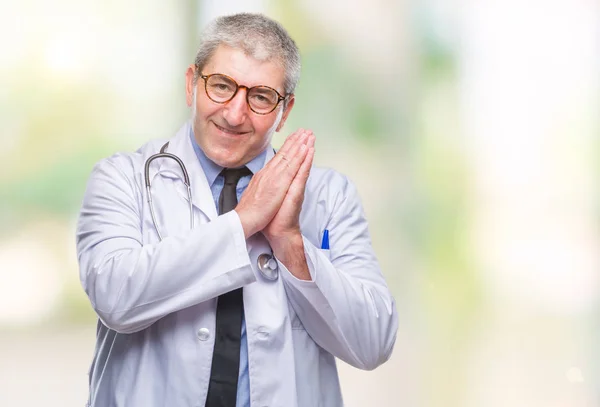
[[289, 250], [288, 238], [283, 245], [247, 225]]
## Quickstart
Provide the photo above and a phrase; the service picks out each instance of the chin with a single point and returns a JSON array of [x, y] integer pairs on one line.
[[226, 160], [229, 164]]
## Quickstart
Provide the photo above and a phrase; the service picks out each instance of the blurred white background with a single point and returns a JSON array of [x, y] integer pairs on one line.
[[470, 128]]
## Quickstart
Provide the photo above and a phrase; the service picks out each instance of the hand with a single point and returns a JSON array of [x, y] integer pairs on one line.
[[285, 225], [268, 187]]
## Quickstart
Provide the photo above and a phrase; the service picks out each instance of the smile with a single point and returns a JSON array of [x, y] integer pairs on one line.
[[229, 131]]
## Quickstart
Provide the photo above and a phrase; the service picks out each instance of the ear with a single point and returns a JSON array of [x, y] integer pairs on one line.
[[286, 112], [189, 85]]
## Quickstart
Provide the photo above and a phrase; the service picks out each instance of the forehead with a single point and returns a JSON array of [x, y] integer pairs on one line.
[[245, 69]]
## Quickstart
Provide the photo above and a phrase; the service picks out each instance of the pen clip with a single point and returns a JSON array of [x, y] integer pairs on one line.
[[325, 240]]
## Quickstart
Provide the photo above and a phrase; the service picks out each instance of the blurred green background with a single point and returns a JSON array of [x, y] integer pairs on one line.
[[470, 129]]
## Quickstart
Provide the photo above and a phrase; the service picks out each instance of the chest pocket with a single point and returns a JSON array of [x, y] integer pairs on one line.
[[296, 323]]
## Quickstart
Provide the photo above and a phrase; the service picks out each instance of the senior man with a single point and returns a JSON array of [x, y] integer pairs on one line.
[[206, 301]]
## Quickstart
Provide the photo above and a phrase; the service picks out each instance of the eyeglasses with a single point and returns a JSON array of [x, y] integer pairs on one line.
[[221, 88]]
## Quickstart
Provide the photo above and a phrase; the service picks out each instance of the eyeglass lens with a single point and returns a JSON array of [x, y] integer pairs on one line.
[[221, 89]]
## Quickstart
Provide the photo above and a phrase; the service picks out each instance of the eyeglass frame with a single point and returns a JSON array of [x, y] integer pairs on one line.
[[238, 86]]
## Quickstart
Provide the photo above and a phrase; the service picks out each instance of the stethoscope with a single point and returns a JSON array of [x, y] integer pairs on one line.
[[266, 262]]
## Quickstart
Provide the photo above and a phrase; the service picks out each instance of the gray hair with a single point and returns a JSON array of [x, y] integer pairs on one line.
[[258, 36]]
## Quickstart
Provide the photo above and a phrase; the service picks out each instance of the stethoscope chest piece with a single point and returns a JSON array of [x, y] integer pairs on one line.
[[267, 265]]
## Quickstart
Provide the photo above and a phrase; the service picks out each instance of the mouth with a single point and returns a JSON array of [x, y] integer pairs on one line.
[[230, 131]]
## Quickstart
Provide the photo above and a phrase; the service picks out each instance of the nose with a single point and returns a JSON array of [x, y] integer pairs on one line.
[[236, 109]]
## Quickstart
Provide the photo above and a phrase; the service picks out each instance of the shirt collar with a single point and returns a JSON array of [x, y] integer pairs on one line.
[[212, 170]]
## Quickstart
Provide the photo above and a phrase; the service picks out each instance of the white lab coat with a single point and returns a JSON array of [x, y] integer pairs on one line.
[[156, 301]]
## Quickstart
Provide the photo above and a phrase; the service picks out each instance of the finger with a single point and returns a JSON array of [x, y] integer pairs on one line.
[[297, 187], [306, 142], [287, 168], [299, 138], [280, 160], [301, 177], [304, 170], [310, 141], [292, 139], [292, 158], [284, 151]]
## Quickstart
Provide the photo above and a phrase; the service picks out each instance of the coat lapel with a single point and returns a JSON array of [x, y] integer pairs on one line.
[[181, 146]]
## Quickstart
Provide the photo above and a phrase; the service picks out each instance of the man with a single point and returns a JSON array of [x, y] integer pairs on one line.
[[233, 307]]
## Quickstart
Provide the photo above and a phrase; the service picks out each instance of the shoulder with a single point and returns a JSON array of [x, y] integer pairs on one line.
[[330, 184], [331, 199], [320, 175], [128, 164]]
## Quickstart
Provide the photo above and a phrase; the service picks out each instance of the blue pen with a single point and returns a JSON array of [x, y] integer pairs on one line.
[[325, 241]]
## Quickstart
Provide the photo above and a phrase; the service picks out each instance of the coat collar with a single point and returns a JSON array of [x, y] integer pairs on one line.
[[182, 147]]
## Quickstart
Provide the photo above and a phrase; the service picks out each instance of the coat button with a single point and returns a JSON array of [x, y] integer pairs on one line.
[[262, 333], [203, 334]]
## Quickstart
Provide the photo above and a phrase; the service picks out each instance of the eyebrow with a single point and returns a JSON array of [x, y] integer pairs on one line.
[[282, 93]]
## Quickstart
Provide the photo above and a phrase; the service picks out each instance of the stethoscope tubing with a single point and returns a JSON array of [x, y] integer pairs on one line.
[[264, 262], [186, 180]]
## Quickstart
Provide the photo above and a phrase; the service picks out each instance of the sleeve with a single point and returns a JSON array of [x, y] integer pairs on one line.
[[347, 307], [130, 284]]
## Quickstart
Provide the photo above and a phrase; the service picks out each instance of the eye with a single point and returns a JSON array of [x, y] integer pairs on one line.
[[221, 86], [261, 99]]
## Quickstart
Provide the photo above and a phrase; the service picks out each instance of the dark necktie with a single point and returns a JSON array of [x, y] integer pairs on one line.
[[222, 388]]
